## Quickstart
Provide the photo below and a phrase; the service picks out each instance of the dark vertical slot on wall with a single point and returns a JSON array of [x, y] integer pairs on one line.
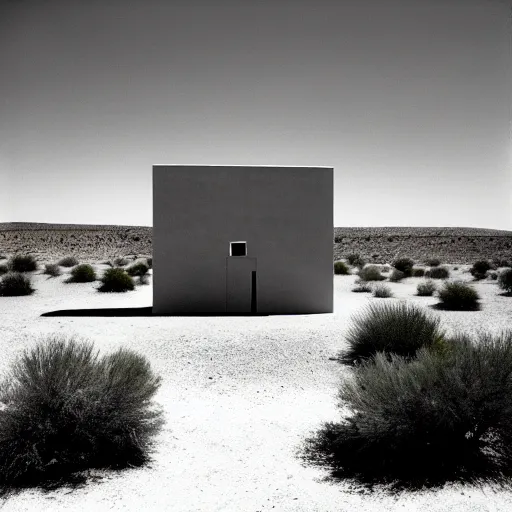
[[254, 307]]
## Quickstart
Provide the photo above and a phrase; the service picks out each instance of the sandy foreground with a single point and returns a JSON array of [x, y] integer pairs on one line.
[[240, 395]]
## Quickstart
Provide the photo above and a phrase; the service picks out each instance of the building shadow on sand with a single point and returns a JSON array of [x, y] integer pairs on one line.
[[133, 312]]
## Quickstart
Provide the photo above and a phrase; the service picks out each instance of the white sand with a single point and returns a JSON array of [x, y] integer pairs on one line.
[[240, 394]]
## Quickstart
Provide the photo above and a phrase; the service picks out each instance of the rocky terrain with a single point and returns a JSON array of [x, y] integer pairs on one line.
[[86, 242], [382, 244], [453, 245]]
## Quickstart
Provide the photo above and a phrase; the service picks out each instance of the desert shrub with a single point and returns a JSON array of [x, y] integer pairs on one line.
[[15, 284], [418, 272], [362, 287], [149, 262], [404, 265], [3, 269], [458, 295], [66, 409], [382, 291], [371, 273], [137, 269], [437, 273], [455, 268], [22, 263], [479, 269], [399, 328], [396, 276], [83, 273], [426, 289], [356, 260], [492, 274], [434, 262], [505, 280], [3, 257], [121, 262], [68, 261], [116, 280], [52, 270], [341, 268], [442, 417]]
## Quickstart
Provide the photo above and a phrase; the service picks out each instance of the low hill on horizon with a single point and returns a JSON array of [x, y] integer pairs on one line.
[[354, 231], [378, 244]]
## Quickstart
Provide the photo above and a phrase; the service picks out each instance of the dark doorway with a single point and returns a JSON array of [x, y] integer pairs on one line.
[[239, 284], [254, 304]]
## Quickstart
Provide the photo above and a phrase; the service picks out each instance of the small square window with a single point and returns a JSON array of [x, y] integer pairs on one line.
[[238, 249]]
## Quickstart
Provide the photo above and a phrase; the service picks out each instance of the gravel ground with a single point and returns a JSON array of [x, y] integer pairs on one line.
[[240, 395]]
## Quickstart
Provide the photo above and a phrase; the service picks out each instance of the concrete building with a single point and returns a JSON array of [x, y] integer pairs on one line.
[[242, 240]]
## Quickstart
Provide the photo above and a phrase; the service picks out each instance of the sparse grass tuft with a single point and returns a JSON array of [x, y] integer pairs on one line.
[[479, 269], [458, 295], [371, 273], [427, 288], [396, 276], [83, 273], [52, 270], [149, 262], [404, 265], [438, 273], [3, 269], [68, 261], [398, 328], [116, 280], [67, 410], [362, 287], [137, 269], [22, 263], [341, 268], [15, 284], [382, 291]]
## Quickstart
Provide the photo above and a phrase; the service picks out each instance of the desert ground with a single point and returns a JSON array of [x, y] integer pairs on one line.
[[240, 395]]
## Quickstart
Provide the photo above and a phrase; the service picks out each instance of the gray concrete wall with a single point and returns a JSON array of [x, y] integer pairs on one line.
[[284, 213]]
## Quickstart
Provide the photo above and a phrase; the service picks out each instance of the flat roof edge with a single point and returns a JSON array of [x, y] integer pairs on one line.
[[244, 166]]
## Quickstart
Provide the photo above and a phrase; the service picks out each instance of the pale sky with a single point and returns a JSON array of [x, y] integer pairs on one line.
[[408, 100]]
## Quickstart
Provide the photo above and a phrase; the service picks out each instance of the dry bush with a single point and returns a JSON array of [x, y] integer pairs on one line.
[[341, 268], [458, 295], [22, 263], [52, 270], [83, 273], [116, 280], [15, 284], [445, 416], [66, 410], [398, 328]]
